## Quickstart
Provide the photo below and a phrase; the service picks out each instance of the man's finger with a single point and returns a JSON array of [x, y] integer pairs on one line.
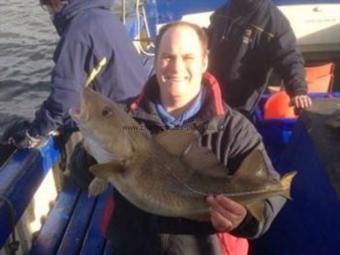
[[301, 101], [219, 222]]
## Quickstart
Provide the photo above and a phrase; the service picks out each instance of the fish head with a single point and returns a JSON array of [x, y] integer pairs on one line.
[[101, 122]]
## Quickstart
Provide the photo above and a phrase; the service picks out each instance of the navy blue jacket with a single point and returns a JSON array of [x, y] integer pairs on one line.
[[245, 45], [88, 32]]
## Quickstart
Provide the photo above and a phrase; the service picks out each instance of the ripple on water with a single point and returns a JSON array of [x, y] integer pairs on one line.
[[27, 41]]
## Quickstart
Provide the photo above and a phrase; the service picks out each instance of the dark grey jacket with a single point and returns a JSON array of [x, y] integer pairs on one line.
[[231, 138], [245, 45]]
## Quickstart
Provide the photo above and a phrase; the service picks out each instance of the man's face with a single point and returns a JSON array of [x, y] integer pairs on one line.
[[180, 64], [53, 6]]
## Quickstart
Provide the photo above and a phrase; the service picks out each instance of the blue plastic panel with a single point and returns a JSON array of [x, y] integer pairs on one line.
[[20, 177], [73, 226], [276, 135], [310, 223], [94, 242], [76, 229], [53, 230]]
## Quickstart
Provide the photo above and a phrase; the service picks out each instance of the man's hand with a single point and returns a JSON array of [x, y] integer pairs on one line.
[[22, 139], [300, 102], [225, 214]]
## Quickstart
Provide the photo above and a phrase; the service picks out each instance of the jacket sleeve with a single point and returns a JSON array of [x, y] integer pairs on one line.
[[68, 77], [286, 58], [241, 139]]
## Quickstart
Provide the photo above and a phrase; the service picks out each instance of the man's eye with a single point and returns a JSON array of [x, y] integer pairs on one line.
[[166, 58]]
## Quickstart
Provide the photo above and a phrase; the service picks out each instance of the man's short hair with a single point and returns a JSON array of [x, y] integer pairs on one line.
[[50, 2], [44, 2], [202, 35]]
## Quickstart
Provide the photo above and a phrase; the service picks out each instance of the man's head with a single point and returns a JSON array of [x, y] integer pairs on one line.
[[181, 59], [53, 6]]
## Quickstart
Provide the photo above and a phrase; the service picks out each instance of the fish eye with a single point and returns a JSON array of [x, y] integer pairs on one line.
[[107, 111]]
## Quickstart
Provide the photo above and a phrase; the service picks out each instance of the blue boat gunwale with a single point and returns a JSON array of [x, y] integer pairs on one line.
[[20, 177]]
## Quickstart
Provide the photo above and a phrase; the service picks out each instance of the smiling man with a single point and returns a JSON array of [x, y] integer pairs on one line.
[[183, 95], [180, 64]]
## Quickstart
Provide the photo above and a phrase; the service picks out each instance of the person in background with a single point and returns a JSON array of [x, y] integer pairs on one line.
[[182, 95], [88, 33], [247, 39]]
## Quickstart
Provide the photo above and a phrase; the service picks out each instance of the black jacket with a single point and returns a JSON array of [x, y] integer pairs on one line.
[[245, 45], [231, 137]]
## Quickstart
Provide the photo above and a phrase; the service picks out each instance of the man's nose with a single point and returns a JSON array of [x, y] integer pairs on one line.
[[178, 63]]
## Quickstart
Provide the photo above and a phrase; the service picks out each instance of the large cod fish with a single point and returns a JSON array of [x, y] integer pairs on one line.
[[168, 174]]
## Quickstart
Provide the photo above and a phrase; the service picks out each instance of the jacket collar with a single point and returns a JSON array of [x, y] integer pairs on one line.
[[144, 106], [245, 9], [235, 15]]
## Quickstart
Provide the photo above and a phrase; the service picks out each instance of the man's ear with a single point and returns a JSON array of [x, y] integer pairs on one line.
[[155, 61], [205, 62]]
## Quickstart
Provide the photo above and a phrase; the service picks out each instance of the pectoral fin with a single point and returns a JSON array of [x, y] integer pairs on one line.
[[253, 167], [97, 186], [106, 170]]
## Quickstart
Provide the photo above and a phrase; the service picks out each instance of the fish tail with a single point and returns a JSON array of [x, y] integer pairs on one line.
[[286, 181]]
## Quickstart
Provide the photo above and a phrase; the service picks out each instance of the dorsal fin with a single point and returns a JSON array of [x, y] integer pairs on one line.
[[254, 167], [176, 141], [184, 143], [203, 161]]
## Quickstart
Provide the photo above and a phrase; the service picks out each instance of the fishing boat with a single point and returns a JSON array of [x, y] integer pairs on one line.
[[38, 215]]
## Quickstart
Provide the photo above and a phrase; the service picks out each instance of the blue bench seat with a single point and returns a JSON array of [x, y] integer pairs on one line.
[[73, 225]]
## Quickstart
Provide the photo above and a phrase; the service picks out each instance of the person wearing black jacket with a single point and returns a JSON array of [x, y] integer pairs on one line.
[[247, 38], [183, 95]]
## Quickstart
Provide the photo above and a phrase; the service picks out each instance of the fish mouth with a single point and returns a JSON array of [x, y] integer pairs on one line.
[[80, 113]]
